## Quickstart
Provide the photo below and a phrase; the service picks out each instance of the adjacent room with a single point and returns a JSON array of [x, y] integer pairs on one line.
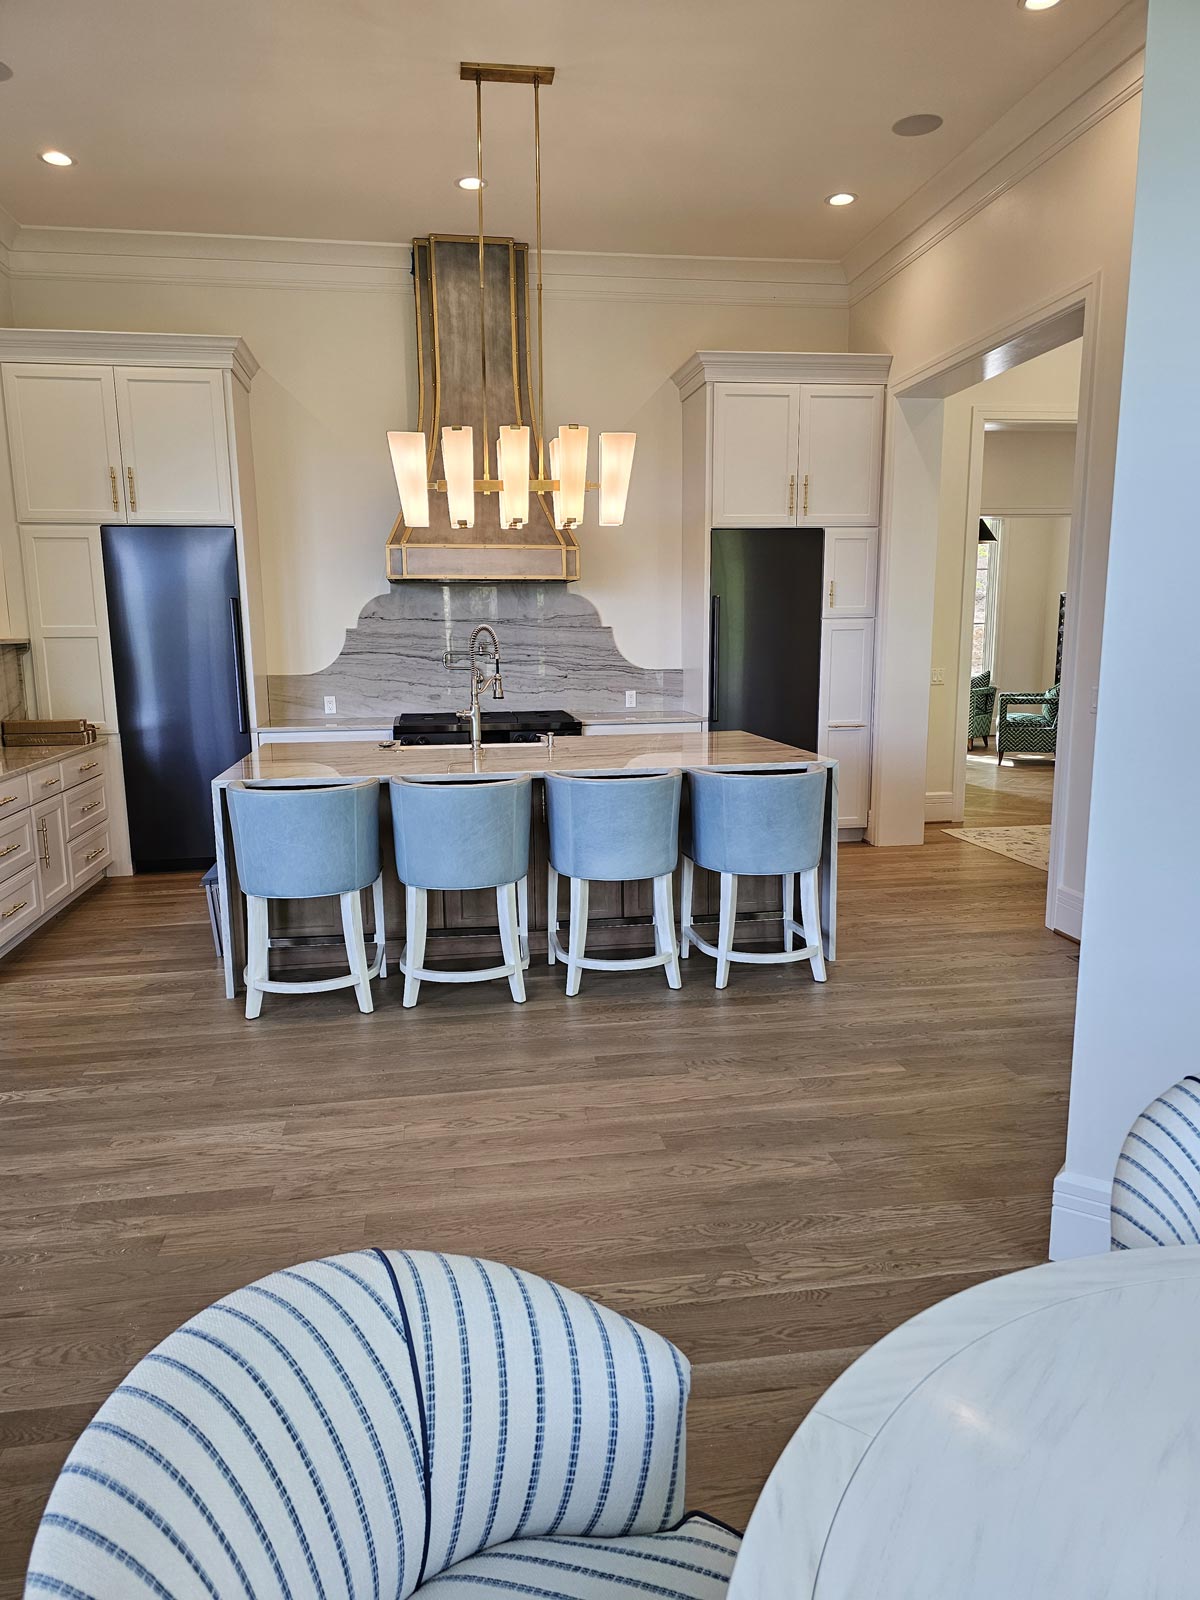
[[592, 1003]]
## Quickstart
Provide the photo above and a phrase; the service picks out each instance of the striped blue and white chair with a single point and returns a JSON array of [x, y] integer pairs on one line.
[[384, 1422], [1156, 1187]]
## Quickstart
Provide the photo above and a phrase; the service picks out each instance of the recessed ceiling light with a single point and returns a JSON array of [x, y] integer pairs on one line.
[[5, 72], [843, 198], [472, 183], [1036, 5], [56, 158], [919, 123]]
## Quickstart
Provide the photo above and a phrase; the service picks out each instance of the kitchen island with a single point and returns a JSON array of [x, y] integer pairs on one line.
[[307, 932]]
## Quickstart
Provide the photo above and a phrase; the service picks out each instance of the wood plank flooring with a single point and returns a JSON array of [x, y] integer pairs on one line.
[[774, 1176]]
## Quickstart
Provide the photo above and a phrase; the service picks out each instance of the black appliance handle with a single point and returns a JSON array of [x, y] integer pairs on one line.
[[714, 661], [239, 663]]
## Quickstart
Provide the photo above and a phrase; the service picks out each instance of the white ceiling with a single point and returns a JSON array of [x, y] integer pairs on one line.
[[674, 126]]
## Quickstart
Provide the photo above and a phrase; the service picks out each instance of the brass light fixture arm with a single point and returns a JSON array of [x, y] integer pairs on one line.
[[537, 189], [482, 313]]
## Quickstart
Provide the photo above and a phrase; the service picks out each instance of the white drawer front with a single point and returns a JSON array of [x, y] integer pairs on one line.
[[45, 783], [20, 905], [88, 764], [90, 854], [87, 805], [16, 845], [14, 794]]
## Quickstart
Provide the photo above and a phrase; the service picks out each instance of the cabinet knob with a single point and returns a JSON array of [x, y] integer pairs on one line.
[[806, 494], [7, 799], [831, 588], [8, 849], [12, 910], [48, 783], [95, 805], [112, 474], [792, 495], [132, 494], [92, 854]]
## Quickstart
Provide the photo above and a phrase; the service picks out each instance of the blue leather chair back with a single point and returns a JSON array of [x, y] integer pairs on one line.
[[293, 844], [614, 829], [461, 835], [767, 822]]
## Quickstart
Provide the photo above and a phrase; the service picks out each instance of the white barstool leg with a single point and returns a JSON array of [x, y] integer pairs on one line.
[[551, 914], [789, 910], [416, 905], [510, 938], [356, 947], [577, 933], [380, 926], [664, 928], [685, 907], [523, 919], [729, 885], [256, 952], [810, 912]]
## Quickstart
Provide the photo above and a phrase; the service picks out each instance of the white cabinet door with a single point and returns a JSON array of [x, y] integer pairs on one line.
[[68, 623], [851, 749], [841, 433], [54, 862], [174, 444], [847, 667], [850, 559], [64, 443], [756, 432]]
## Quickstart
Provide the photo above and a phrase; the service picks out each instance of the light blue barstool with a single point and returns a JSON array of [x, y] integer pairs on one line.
[[301, 844], [612, 829], [463, 835], [767, 822]]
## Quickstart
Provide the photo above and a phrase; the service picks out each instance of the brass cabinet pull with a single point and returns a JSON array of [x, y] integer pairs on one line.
[[83, 810], [9, 848], [45, 842], [48, 783], [7, 799], [132, 495], [831, 594], [12, 910], [88, 765], [112, 473], [92, 854], [792, 495], [806, 494]]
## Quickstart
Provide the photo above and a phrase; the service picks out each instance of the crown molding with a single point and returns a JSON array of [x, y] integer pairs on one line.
[[225, 352], [779, 366], [1089, 86], [111, 256]]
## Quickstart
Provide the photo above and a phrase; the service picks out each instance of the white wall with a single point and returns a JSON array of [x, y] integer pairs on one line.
[[1026, 470], [1032, 573], [1048, 383], [1063, 228], [1135, 1029], [338, 370]]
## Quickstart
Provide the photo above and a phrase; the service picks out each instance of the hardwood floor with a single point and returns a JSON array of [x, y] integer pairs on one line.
[[773, 1176], [1017, 794]]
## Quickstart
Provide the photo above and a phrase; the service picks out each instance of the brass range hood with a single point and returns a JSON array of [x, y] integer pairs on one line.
[[475, 372]]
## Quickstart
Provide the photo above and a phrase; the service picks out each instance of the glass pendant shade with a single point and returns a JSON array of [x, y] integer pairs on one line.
[[458, 462], [616, 464], [555, 496], [572, 472], [408, 463], [512, 458]]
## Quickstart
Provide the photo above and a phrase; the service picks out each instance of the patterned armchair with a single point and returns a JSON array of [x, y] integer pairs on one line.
[[983, 703], [1027, 732], [1156, 1187], [385, 1422]]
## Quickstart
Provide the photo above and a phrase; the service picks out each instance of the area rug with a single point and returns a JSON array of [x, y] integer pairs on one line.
[[1030, 845]]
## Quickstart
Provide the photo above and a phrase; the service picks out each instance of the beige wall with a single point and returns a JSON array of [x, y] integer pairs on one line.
[[1027, 471], [338, 371], [1032, 576], [1064, 225]]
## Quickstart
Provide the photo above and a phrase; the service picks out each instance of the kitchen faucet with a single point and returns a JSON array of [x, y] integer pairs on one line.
[[480, 682]]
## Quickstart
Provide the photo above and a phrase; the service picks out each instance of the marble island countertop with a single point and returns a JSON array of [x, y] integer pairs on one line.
[[626, 717], [26, 758], [623, 752]]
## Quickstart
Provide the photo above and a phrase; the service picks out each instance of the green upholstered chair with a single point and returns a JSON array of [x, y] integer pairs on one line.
[[983, 703], [1030, 733]]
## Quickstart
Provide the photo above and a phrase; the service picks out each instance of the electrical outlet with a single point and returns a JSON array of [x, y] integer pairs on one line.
[[630, 698], [330, 704], [938, 676]]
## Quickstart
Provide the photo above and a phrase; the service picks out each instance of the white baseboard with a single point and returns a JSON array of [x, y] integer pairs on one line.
[[1079, 1217], [939, 806], [1067, 916]]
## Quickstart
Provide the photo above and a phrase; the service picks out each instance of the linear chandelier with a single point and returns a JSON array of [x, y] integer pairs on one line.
[[515, 478]]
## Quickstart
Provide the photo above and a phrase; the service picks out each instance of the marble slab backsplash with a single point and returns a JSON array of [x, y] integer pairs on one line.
[[554, 650], [12, 683]]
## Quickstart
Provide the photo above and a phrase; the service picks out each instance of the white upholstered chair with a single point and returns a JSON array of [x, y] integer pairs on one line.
[[382, 1422], [1156, 1187]]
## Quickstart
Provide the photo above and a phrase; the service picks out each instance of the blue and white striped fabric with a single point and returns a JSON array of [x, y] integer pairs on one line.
[[355, 1427], [1156, 1187]]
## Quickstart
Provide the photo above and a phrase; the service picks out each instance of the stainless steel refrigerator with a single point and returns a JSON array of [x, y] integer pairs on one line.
[[174, 616], [765, 632]]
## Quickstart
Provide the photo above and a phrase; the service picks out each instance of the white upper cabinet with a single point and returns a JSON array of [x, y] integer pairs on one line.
[[64, 443], [68, 622], [756, 429], [841, 435], [174, 444], [850, 560]]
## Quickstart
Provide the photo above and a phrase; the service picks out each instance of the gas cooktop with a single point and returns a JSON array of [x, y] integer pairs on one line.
[[499, 727]]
